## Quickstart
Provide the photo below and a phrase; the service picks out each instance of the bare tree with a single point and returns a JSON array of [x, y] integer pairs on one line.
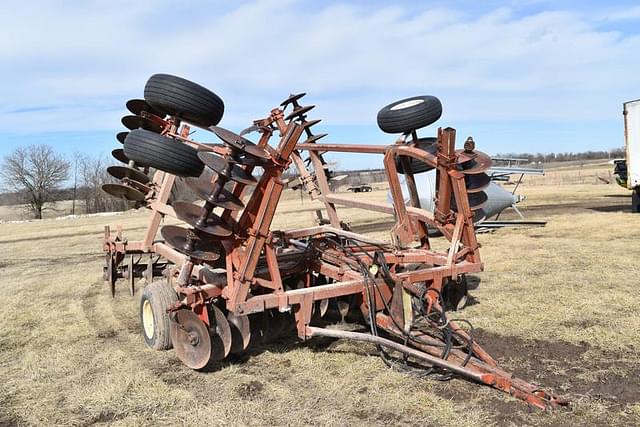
[[36, 172], [76, 159], [93, 174]]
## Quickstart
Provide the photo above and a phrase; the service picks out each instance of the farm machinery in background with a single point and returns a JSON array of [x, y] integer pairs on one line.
[[498, 198], [226, 280], [627, 170]]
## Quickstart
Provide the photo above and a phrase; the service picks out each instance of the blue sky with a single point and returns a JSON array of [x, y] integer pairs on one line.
[[531, 75]]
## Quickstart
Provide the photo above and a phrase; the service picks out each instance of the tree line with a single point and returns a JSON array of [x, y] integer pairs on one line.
[[37, 176], [565, 157]]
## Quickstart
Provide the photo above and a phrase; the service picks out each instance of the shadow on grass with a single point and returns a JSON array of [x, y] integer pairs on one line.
[[612, 208]]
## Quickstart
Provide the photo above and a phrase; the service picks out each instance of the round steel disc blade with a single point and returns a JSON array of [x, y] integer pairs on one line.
[[478, 164], [219, 165], [479, 215], [240, 332], [138, 186], [314, 138], [248, 130], [137, 122], [176, 237], [137, 106], [299, 112], [323, 306], [190, 213], [238, 142], [310, 123], [122, 191], [191, 339], [226, 200], [246, 160], [111, 274], [292, 98], [121, 136], [343, 307], [476, 201], [476, 182], [220, 333], [118, 154], [122, 172]]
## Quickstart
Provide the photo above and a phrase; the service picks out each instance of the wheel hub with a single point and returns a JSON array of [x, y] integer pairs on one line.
[[147, 319]]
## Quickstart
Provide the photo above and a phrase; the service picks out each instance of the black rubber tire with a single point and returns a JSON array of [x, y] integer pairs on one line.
[[417, 166], [635, 201], [409, 114], [150, 149], [184, 99], [159, 295]]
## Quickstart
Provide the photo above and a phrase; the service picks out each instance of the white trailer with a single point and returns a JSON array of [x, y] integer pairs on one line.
[[632, 148]]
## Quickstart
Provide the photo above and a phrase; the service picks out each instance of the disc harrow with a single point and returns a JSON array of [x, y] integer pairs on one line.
[[226, 280]]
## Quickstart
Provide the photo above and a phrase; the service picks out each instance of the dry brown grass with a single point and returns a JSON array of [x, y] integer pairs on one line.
[[71, 355]]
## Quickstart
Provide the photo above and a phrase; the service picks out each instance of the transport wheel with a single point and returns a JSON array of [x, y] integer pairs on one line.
[[147, 148], [417, 166], [409, 114], [635, 201], [154, 319], [182, 98]]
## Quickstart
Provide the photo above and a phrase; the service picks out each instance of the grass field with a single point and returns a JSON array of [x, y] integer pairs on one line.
[[555, 305]]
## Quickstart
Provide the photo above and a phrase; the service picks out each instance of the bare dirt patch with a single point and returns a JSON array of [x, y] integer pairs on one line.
[[572, 370], [250, 390]]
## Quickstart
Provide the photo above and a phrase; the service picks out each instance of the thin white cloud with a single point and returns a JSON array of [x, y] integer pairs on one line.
[[628, 14], [86, 58]]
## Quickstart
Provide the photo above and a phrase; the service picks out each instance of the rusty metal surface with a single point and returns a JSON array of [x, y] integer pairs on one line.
[[223, 167], [119, 155], [226, 199], [139, 122], [190, 243], [122, 172], [140, 106], [240, 282], [239, 143], [125, 192], [121, 136], [191, 214]]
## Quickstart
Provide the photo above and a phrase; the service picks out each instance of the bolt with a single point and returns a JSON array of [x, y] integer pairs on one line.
[[469, 145], [193, 339]]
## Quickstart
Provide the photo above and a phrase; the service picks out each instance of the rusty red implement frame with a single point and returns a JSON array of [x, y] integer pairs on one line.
[[259, 264]]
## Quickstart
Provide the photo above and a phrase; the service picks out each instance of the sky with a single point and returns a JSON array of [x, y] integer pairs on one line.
[[518, 76]]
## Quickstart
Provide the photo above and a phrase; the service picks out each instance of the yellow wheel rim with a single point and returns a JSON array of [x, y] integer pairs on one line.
[[147, 319]]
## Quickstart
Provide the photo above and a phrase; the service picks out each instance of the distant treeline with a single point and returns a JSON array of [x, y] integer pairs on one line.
[[10, 199], [565, 157], [86, 194]]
